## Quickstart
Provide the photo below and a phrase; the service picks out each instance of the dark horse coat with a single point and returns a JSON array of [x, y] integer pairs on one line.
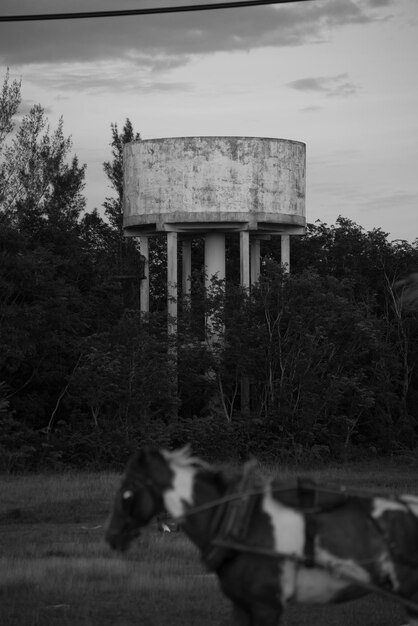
[[272, 543]]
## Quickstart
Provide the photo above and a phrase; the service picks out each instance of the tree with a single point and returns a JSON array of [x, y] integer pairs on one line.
[[37, 183], [45, 277], [114, 171], [125, 249], [346, 250], [127, 266], [9, 104]]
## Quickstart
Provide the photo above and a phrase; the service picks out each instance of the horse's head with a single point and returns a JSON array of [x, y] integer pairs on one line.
[[139, 498]]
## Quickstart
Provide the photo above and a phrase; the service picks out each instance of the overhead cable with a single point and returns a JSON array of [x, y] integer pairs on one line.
[[147, 11]]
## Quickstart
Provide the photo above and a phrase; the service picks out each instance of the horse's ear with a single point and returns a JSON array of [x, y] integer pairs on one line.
[[141, 457], [138, 462], [151, 462]]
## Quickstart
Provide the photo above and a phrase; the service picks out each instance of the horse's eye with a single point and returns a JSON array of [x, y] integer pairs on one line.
[[128, 501]]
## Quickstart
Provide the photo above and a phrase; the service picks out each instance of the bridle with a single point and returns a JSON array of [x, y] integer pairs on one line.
[[136, 485]]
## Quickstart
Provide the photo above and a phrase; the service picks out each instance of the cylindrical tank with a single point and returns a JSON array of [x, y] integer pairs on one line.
[[203, 183]]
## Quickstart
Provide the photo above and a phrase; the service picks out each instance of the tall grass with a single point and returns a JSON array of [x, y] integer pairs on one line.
[[56, 570], [380, 475]]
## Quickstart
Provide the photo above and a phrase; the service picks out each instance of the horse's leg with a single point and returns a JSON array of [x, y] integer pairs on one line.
[[241, 615], [260, 614], [412, 614], [266, 614], [412, 619]]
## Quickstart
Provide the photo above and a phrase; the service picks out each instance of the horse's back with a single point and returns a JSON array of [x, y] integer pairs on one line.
[[397, 520], [305, 494]]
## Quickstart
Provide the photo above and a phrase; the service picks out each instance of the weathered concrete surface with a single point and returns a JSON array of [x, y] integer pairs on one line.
[[199, 183]]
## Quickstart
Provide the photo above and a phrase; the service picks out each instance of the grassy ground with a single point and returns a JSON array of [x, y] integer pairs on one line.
[[55, 569]]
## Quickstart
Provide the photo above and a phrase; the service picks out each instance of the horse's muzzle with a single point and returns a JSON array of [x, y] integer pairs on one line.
[[121, 541]]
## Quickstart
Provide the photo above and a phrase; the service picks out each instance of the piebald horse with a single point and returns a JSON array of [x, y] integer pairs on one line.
[[273, 543]]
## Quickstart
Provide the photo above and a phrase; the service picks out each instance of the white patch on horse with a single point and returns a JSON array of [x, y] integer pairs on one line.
[[381, 505], [288, 526], [310, 585], [181, 491], [344, 568], [317, 586], [387, 566], [411, 503], [288, 572]]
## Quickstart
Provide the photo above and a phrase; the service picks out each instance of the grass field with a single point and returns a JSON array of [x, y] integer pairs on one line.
[[56, 570]]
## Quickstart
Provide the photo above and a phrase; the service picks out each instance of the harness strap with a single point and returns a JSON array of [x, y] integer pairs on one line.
[[394, 553], [223, 546], [232, 518], [309, 503], [214, 555]]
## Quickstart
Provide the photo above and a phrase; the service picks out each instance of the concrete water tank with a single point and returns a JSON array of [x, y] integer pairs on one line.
[[203, 183], [213, 185]]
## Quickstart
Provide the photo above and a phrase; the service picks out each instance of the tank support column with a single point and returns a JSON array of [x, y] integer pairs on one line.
[[186, 267], [172, 310], [214, 266], [245, 258], [245, 282], [172, 282], [285, 256], [255, 260], [144, 286], [214, 256]]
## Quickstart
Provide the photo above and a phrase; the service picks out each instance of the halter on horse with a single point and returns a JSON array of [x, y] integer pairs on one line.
[[272, 543]]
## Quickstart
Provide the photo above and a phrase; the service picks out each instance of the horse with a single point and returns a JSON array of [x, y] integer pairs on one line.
[[272, 543]]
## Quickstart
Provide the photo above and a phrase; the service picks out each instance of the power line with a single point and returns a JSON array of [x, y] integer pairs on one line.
[[150, 11]]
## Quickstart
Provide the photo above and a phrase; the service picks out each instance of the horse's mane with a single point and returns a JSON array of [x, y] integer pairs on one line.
[[183, 458], [245, 477]]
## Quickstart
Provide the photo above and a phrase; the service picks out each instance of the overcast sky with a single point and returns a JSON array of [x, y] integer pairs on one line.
[[339, 75]]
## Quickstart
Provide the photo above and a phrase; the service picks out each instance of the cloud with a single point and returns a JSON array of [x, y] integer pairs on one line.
[[330, 86], [311, 109], [102, 77], [171, 38], [397, 201], [26, 106], [309, 84], [379, 3]]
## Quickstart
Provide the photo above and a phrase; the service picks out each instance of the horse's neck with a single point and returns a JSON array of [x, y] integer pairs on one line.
[[199, 526], [179, 496]]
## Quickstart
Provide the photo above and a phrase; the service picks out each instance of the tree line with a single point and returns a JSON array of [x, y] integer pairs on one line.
[[328, 352]]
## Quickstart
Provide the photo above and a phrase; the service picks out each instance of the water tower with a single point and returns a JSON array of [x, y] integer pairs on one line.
[[188, 186]]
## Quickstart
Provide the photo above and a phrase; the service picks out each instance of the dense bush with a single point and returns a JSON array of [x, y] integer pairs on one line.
[[317, 364], [330, 369]]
